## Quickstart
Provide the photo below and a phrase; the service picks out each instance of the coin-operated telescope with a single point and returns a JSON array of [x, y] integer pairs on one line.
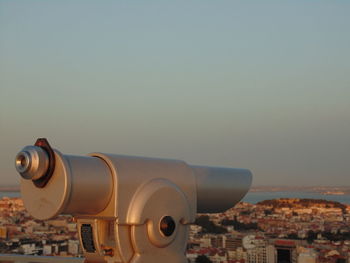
[[128, 209]]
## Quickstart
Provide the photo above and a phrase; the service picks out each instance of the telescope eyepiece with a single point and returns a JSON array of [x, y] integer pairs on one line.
[[32, 162], [22, 161]]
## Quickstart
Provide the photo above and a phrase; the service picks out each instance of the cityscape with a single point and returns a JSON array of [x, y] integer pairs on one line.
[[271, 231], [174, 131]]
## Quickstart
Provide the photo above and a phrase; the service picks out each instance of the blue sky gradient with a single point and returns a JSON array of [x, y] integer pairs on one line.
[[263, 85]]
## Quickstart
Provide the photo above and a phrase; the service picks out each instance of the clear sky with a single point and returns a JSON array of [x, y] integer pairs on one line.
[[263, 85]]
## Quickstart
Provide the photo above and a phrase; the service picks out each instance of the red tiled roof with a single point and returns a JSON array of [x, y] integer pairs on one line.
[[287, 243]]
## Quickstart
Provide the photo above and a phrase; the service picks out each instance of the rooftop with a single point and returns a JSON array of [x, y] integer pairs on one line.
[[13, 258]]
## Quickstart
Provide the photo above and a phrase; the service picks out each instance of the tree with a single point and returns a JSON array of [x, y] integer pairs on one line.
[[311, 236], [267, 212], [293, 236], [203, 259], [208, 226], [238, 225]]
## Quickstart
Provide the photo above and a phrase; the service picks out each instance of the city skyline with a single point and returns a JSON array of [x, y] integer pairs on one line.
[[259, 85], [298, 230]]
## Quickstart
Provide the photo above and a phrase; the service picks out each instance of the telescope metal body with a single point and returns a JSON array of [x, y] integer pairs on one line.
[[128, 209]]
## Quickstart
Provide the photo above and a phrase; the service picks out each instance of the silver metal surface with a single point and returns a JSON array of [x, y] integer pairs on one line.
[[79, 185], [119, 201], [219, 189], [32, 162], [91, 185]]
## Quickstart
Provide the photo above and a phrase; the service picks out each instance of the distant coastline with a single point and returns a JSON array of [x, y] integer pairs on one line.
[[256, 197], [9, 188], [325, 190], [258, 194]]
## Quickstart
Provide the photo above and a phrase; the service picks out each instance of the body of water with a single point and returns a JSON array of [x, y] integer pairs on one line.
[[10, 194], [255, 197]]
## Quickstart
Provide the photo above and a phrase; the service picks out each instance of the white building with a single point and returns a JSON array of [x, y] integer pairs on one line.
[[73, 247], [28, 249], [307, 255], [47, 250]]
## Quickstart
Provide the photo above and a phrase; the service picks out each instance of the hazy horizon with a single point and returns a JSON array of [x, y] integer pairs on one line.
[[263, 85], [253, 186]]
